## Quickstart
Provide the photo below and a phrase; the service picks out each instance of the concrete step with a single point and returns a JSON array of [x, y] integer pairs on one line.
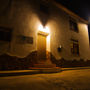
[[47, 70], [44, 65]]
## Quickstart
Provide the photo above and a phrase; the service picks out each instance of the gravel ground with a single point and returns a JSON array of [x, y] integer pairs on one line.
[[65, 80]]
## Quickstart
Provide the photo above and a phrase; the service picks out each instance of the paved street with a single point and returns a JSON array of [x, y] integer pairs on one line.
[[65, 80]]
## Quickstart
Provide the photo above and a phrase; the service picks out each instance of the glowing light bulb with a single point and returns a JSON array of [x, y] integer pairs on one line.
[[44, 29]]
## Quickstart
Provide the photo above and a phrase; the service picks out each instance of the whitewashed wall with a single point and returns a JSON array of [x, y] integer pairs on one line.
[[24, 20]]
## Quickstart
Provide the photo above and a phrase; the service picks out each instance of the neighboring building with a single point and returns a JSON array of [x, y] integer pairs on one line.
[[42, 26]]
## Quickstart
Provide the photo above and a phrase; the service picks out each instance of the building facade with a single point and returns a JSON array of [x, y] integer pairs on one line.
[[42, 26]]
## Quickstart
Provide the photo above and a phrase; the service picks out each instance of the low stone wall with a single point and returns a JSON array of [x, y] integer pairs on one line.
[[14, 63], [72, 63]]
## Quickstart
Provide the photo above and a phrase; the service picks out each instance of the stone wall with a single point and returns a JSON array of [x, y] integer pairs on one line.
[[8, 62]]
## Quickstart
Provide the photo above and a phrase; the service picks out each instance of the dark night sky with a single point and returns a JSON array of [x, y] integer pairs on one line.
[[80, 7]]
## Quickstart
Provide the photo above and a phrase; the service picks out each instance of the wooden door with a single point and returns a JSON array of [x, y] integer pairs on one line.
[[41, 47]]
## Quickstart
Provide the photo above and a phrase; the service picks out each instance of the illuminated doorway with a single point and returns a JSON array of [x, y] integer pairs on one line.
[[41, 45]]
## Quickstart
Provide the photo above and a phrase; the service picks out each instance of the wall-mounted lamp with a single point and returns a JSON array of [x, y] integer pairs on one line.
[[43, 29], [59, 48]]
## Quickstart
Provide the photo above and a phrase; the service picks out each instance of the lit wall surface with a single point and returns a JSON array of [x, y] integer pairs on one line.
[[23, 18]]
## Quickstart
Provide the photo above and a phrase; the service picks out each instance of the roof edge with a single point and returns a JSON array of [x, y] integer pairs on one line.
[[69, 12]]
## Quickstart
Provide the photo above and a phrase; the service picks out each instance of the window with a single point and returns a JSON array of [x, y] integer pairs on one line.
[[73, 25], [74, 47], [44, 8], [5, 34]]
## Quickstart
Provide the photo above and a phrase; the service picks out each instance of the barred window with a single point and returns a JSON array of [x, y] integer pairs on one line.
[[5, 34], [73, 25], [74, 47]]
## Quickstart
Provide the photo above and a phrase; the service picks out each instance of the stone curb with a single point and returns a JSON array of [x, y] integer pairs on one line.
[[76, 68], [37, 71], [18, 73], [29, 72]]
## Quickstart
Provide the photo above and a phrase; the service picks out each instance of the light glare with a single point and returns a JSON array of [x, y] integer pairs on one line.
[[44, 29]]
